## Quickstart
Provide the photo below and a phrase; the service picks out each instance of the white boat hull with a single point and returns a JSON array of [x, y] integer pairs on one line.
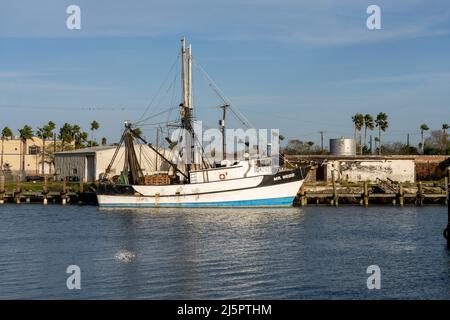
[[257, 191]]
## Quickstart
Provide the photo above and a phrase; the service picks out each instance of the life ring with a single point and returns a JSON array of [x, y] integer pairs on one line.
[[445, 233], [222, 176]]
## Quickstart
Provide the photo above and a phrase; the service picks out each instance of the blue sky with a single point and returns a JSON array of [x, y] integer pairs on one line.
[[300, 66]]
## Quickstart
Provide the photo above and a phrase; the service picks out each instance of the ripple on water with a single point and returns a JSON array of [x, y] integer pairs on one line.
[[125, 256]]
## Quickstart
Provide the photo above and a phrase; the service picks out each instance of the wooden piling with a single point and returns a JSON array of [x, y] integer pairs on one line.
[[447, 230], [419, 197], [335, 201], [401, 195], [64, 192], [45, 191], [366, 194], [2, 189], [302, 196], [18, 190], [446, 182]]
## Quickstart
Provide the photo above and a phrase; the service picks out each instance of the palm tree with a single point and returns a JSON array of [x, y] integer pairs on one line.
[[94, 126], [46, 132], [377, 142], [423, 128], [382, 124], [445, 127], [25, 133], [79, 136], [6, 134], [368, 124], [358, 121], [65, 134]]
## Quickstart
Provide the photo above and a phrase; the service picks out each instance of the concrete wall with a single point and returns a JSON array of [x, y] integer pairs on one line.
[[431, 167], [369, 170]]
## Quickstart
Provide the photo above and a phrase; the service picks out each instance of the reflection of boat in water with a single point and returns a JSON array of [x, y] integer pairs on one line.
[[239, 183]]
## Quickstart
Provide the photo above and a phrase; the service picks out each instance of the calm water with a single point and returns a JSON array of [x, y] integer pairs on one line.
[[312, 253]]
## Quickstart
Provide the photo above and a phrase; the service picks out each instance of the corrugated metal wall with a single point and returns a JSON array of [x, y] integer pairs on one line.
[[66, 164]]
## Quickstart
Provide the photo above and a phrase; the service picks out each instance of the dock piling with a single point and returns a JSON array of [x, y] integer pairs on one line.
[[419, 196], [18, 190], [302, 196], [335, 201], [446, 231], [366, 194], [45, 191], [401, 195], [446, 185], [64, 192], [2, 189]]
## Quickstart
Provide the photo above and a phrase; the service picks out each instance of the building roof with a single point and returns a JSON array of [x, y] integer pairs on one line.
[[91, 150]]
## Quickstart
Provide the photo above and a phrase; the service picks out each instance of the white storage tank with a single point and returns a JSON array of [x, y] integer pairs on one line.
[[343, 147]]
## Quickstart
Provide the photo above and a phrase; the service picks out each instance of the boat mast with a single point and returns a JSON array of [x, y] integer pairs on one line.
[[189, 72], [183, 74], [186, 106], [222, 129]]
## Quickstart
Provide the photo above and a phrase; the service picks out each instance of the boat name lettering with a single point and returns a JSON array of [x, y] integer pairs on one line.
[[286, 176]]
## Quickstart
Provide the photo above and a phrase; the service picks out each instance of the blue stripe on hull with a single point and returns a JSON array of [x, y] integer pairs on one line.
[[273, 202]]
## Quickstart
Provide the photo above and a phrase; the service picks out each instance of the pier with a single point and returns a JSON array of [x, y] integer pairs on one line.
[[62, 192], [382, 192]]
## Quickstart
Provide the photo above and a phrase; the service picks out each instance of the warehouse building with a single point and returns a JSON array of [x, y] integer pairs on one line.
[[89, 164], [357, 168]]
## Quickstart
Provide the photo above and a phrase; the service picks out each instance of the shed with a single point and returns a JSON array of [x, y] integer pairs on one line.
[[89, 164]]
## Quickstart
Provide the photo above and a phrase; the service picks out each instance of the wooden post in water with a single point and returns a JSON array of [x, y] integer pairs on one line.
[[446, 182], [64, 192], [335, 195], [302, 196], [419, 196], [401, 195], [2, 189], [366, 194], [80, 192], [447, 230], [18, 190], [45, 191]]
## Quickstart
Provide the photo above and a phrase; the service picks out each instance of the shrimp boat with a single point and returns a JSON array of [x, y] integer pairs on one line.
[[247, 182]]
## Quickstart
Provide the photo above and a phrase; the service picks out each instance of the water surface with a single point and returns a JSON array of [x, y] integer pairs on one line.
[[294, 253]]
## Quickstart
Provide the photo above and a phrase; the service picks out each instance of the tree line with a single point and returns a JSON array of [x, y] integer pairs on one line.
[[70, 136], [437, 143]]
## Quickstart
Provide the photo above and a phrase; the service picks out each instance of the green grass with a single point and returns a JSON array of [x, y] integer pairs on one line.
[[52, 186]]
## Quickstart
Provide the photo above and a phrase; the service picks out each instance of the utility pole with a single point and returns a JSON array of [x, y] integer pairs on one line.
[[321, 140], [407, 143]]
